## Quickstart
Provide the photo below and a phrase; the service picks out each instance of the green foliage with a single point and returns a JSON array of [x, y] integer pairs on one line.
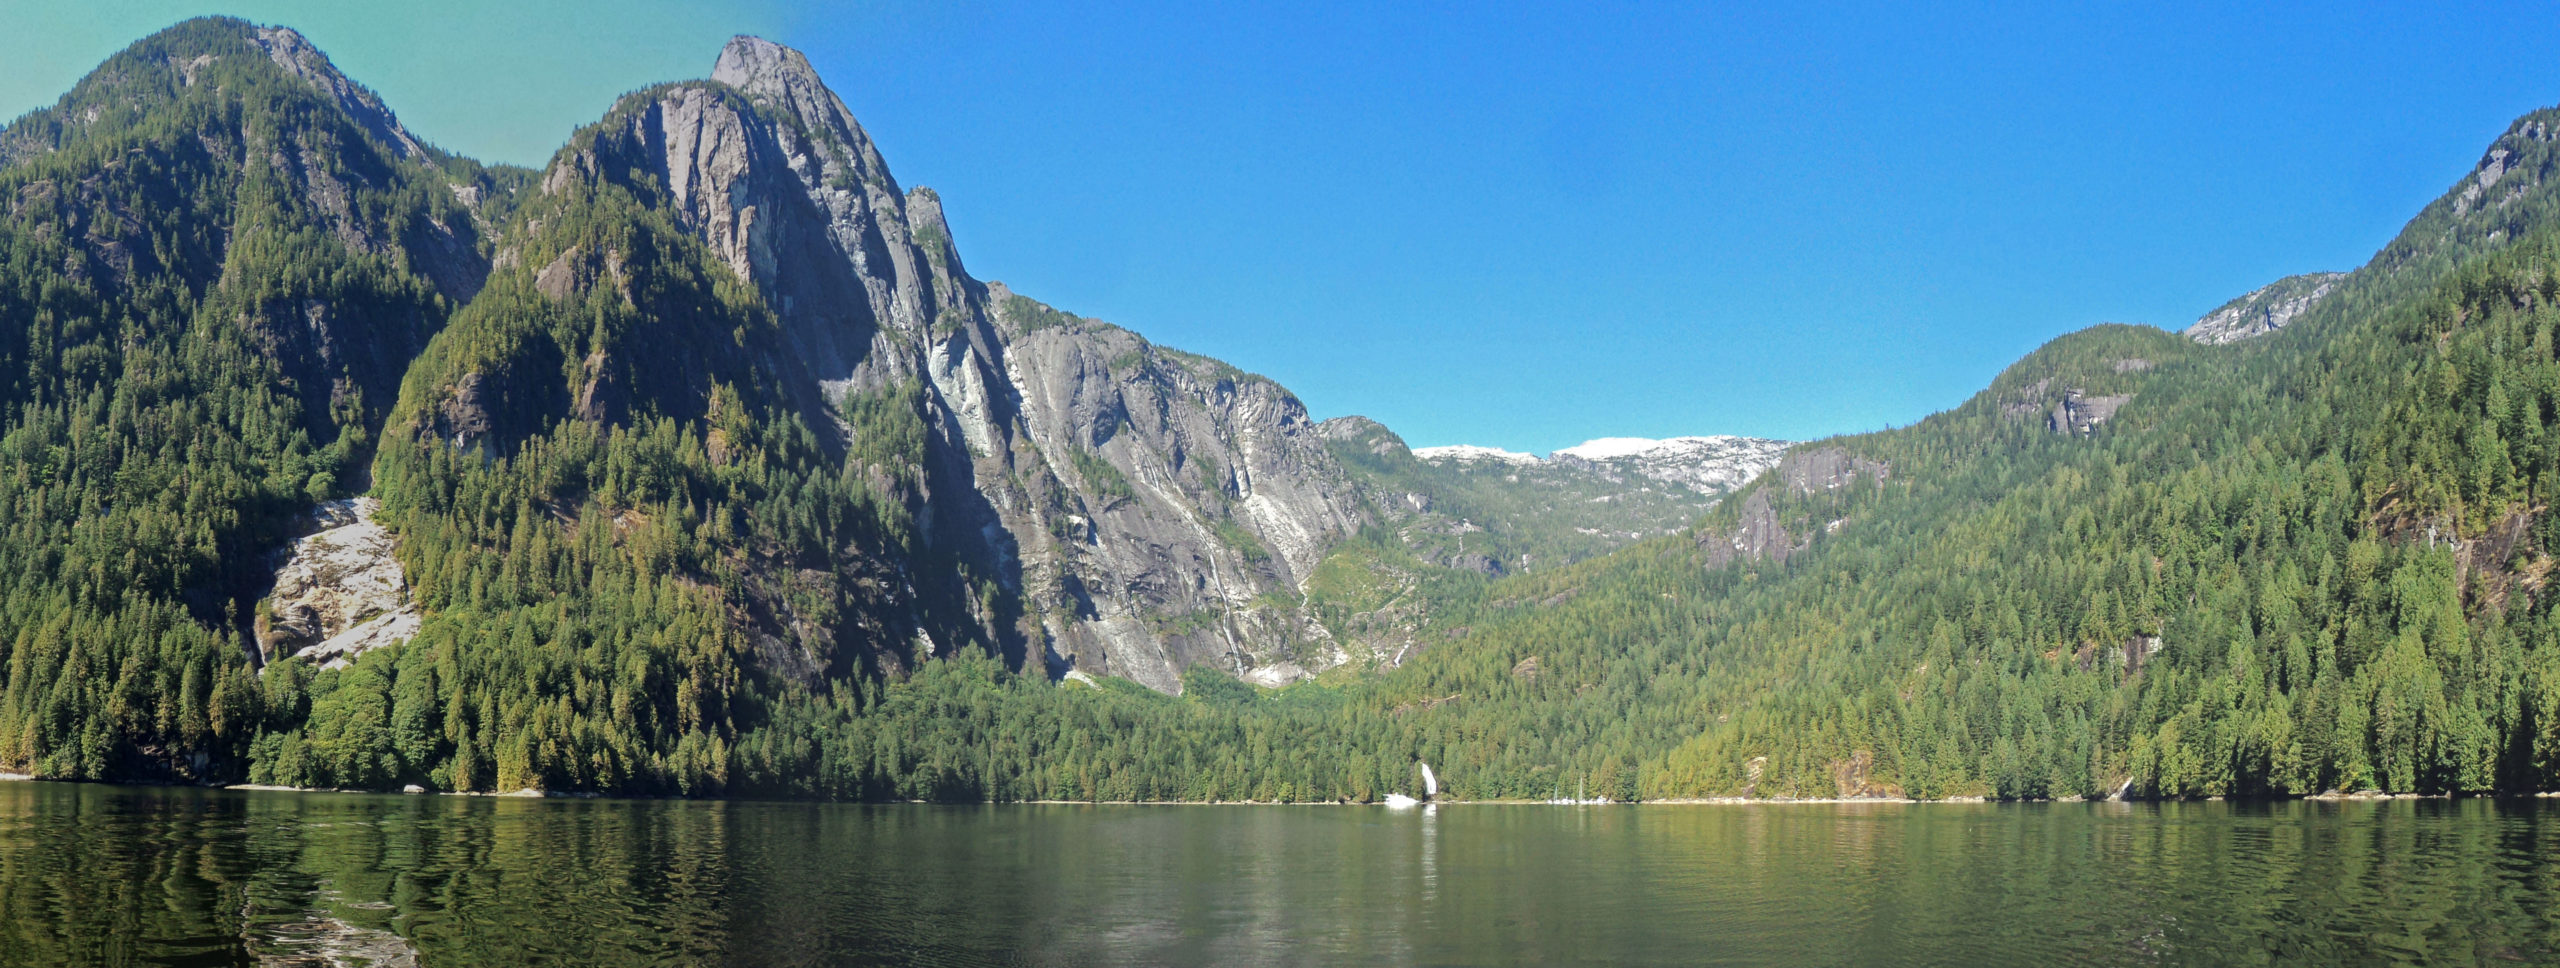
[[1234, 536], [888, 426], [1100, 476], [1032, 315], [2228, 589], [1208, 686], [190, 351], [2315, 560]]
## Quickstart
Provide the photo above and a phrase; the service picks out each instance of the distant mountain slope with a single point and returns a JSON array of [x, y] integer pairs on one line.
[[1454, 518], [2309, 561], [1579, 501], [1709, 465]]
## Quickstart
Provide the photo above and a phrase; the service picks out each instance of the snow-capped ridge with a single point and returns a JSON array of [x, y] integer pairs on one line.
[[1610, 448], [1709, 465], [1471, 452]]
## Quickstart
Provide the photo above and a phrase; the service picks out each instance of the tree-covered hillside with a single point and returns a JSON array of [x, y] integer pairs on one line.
[[212, 274], [654, 552], [2311, 561], [2229, 587], [625, 528]]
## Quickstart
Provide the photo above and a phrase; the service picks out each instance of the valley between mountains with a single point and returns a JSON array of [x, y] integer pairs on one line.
[[697, 463]]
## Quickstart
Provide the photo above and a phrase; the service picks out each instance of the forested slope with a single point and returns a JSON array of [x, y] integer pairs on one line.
[[214, 264], [2311, 561], [680, 522]]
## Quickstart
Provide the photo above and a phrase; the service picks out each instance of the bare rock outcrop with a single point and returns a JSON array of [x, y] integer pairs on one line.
[[1200, 500], [2079, 413], [1761, 531], [2071, 411], [2265, 309], [338, 591]]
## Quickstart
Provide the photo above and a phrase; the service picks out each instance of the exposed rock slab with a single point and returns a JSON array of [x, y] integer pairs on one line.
[[1760, 532], [338, 593], [2265, 309]]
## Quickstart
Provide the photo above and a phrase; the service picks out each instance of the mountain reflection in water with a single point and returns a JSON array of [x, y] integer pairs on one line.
[[149, 876]]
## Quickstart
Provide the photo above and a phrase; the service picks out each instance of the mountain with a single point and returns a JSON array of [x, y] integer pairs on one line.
[[1708, 465], [2134, 565], [220, 256], [346, 455], [1082, 498], [696, 463], [1584, 500]]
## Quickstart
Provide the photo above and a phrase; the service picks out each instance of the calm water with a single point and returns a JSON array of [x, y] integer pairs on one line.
[[141, 876]]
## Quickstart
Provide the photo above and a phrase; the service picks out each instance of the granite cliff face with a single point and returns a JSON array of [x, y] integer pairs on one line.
[[1145, 509], [2265, 309], [1761, 530]]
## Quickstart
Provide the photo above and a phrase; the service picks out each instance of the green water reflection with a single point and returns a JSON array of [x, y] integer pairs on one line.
[[146, 876]]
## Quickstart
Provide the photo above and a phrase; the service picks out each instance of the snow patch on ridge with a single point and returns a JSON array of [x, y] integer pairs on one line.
[[1605, 448], [1708, 465], [1471, 452]]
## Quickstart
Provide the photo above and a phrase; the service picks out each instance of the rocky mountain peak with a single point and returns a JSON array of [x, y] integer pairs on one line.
[[761, 67], [1364, 433], [170, 65], [291, 51], [781, 77]]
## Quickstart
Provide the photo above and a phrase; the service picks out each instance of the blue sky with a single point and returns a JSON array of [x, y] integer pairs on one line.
[[1526, 225]]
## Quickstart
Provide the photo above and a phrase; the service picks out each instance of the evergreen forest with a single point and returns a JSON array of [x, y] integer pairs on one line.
[[653, 560]]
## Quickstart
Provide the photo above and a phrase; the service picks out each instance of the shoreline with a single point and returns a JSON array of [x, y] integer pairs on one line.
[[533, 794]]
